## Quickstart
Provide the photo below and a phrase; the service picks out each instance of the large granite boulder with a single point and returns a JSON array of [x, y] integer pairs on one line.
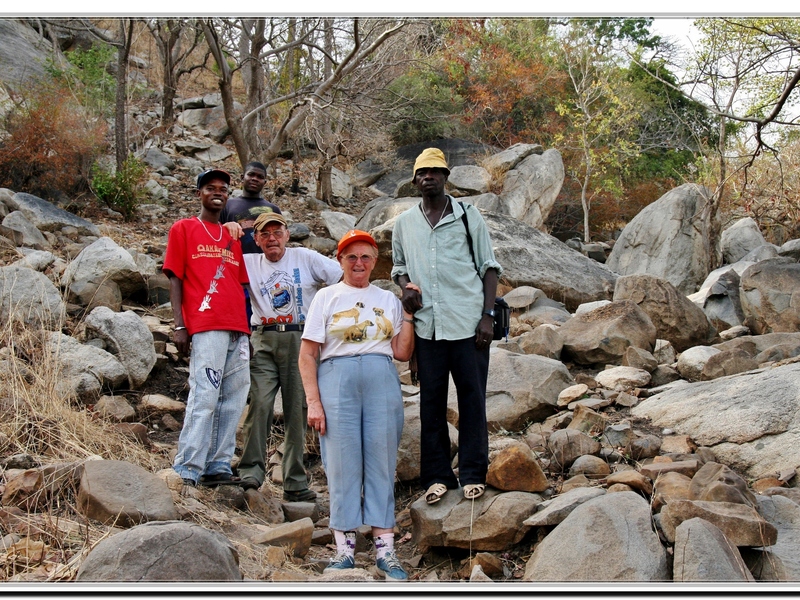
[[676, 318], [105, 260], [780, 561], [608, 538], [127, 337], [770, 295], [604, 334], [750, 421], [22, 232], [84, 371], [521, 388], [24, 55], [29, 297], [739, 239], [116, 492], [718, 296], [531, 187], [664, 240], [48, 217], [162, 551]]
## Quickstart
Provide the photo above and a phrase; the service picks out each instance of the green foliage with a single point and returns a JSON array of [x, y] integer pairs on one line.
[[50, 145], [430, 107], [88, 76], [121, 190]]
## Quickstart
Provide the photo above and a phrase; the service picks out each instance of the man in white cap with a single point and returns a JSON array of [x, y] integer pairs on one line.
[[283, 281], [453, 323]]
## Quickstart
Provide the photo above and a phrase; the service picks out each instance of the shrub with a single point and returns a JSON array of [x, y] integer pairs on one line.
[[88, 75], [121, 190], [50, 145]]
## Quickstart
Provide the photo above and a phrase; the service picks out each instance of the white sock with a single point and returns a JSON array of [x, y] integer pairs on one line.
[[383, 544], [345, 542]]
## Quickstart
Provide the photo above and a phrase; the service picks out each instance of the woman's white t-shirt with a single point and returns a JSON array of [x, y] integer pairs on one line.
[[348, 321]]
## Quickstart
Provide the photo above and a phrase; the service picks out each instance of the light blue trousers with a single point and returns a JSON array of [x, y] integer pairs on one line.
[[219, 379], [364, 420]]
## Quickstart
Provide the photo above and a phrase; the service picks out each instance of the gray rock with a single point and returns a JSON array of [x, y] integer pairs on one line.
[[191, 146], [523, 296], [23, 55], [470, 179], [115, 408], [608, 538], [38, 260], [604, 334], [91, 294], [128, 338], [553, 512], [760, 253], [779, 562], [379, 211], [102, 260], [703, 553], [521, 388], [367, 172], [157, 159], [138, 554], [728, 362], [156, 191], [739, 239], [29, 297], [568, 444], [590, 306], [790, 249], [122, 494], [718, 296], [337, 223], [675, 317], [544, 340], [531, 257], [510, 157], [740, 524], [408, 452], [664, 240], [215, 153], [692, 361], [493, 524], [750, 420], [530, 189], [47, 217], [85, 370], [769, 293], [623, 378], [341, 186], [22, 232], [295, 535]]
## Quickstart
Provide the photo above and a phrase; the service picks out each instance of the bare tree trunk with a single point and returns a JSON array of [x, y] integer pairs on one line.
[[324, 183], [121, 100]]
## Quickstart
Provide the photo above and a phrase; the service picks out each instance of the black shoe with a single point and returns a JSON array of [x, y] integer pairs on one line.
[[219, 479], [249, 483], [189, 482], [299, 495]]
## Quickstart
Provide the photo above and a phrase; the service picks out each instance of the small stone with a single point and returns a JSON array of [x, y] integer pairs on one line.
[[760, 486], [572, 393], [633, 479], [684, 467], [677, 444], [619, 487], [591, 466]]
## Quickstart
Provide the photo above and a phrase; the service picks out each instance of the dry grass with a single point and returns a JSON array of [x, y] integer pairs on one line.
[[40, 421]]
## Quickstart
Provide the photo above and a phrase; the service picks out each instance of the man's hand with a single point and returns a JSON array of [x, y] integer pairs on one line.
[[234, 229], [411, 298], [484, 332], [181, 339]]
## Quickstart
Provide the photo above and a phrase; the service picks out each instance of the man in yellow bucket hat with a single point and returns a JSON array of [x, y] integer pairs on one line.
[[453, 321]]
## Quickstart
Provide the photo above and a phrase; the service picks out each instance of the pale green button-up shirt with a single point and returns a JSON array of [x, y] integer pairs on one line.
[[439, 262]]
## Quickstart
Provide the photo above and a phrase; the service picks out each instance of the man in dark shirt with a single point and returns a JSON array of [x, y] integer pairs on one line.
[[245, 209]]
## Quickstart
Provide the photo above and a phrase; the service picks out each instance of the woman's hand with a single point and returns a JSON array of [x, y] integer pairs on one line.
[[316, 416]]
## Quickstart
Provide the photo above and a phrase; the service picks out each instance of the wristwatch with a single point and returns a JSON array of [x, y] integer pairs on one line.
[[489, 312]]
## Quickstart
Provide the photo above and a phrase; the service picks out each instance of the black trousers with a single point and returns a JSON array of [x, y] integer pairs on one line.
[[436, 359]]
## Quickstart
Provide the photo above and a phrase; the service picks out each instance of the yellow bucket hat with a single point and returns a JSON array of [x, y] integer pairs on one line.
[[431, 158]]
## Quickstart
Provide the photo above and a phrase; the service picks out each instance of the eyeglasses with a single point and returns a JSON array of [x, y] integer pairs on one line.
[[276, 233], [353, 258]]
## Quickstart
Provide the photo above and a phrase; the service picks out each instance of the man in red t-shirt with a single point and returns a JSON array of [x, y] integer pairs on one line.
[[206, 271]]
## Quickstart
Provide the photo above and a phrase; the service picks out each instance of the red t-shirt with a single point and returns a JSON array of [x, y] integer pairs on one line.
[[212, 273]]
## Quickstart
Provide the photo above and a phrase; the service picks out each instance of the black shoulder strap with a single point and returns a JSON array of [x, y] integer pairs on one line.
[[469, 235]]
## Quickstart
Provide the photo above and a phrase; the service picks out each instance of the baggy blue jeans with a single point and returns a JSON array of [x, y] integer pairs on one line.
[[219, 379], [364, 420]]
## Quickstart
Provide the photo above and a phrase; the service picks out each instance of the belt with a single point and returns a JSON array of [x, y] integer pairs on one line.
[[277, 327]]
